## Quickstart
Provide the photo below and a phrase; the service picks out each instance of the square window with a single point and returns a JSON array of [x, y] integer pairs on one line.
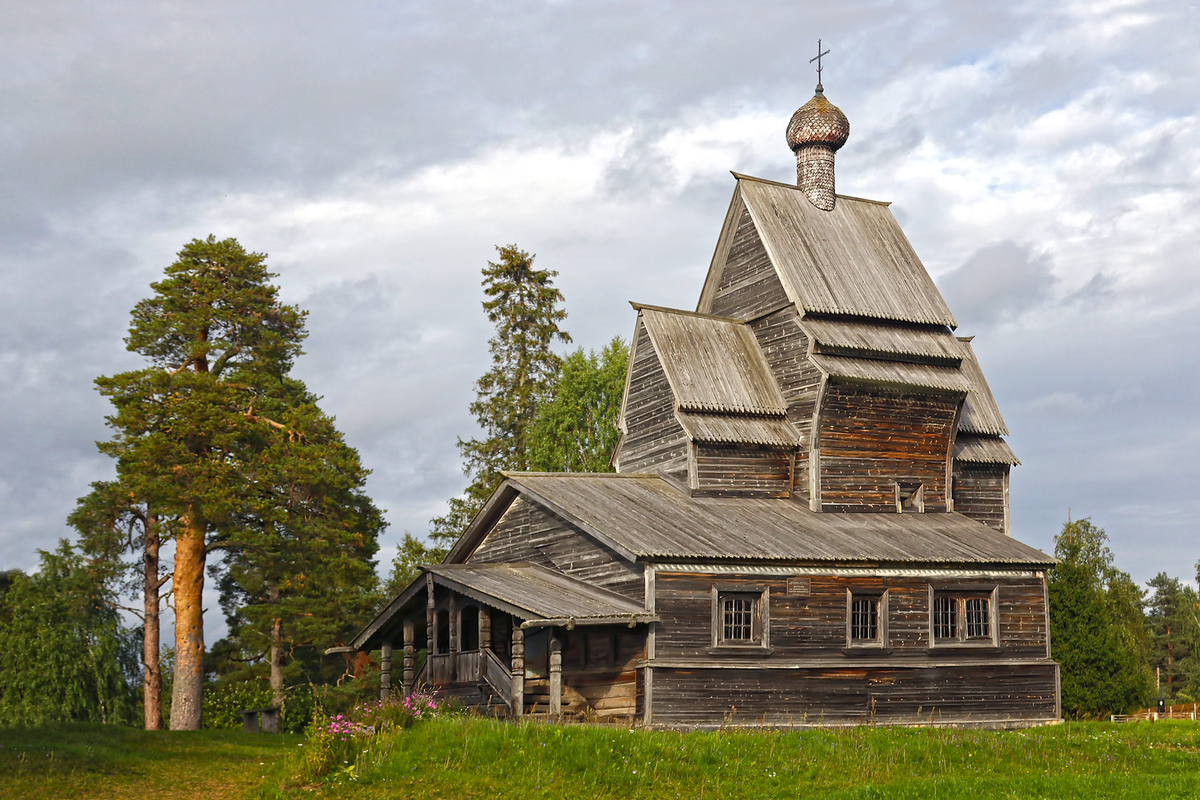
[[961, 617], [739, 618], [910, 497]]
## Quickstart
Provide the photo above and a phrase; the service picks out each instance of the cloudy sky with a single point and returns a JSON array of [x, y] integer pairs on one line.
[[1043, 158]]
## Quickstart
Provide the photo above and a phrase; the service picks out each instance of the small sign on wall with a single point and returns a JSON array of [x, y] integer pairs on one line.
[[798, 586]]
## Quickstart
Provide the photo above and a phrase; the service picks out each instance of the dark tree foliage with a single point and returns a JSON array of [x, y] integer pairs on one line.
[[1172, 622], [1099, 631], [524, 307], [575, 427], [406, 566], [64, 655], [298, 570]]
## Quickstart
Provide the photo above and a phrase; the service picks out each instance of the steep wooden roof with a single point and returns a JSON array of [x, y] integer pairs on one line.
[[731, 429], [980, 413], [712, 363], [647, 517], [853, 260]]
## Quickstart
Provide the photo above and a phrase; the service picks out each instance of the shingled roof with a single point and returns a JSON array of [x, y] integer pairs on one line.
[[853, 260], [862, 338], [712, 363], [980, 413], [647, 517]]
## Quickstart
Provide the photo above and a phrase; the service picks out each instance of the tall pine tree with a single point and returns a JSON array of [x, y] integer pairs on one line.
[[525, 309], [217, 338]]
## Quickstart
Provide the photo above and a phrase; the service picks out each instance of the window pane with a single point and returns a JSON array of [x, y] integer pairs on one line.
[[864, 619], [737, 618], [945, 617], [978, 618]]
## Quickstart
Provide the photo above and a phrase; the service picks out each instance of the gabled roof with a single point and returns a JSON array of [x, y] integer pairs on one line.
[[861, 337], [983, 450], [894, 373], [647, 517], [712, 363], [980, 413], [853, 260]]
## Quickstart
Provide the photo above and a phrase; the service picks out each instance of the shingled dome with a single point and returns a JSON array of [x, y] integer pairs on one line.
[[818, 122]]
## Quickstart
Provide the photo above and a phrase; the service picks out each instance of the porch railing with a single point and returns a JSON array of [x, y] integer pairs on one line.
[[497, 675]]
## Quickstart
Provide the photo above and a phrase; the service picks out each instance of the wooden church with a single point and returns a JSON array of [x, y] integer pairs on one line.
[[809, 519]]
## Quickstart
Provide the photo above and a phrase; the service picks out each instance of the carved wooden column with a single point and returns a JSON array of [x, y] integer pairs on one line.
[[410, 657], [385, 670], [518, 669], [430, 636], [555, 674]]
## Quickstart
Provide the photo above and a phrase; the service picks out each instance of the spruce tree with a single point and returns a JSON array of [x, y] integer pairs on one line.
[[524, 307], [218, 339], [1098, 628]]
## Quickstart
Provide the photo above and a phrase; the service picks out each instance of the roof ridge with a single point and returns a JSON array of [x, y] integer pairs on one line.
[[743, 177], [684, 312], [530, 474]]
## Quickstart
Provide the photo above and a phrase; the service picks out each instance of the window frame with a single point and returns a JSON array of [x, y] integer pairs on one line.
[[912, 491], [961, 595], [880, 598], [760, 619]]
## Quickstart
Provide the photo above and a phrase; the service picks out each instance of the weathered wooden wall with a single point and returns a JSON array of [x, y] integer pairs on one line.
[[528, 532], [810, 674], [749, 285], [741, 471], [981, 493], [785, 347], [655, 441], [814, 625], [869, 438], [962, 694]]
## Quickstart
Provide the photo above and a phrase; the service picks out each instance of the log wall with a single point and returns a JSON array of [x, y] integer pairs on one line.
[[528, 532], [749, 285], [785, 347], [981, 493], [741, 471], [868, 438], [654, 439]]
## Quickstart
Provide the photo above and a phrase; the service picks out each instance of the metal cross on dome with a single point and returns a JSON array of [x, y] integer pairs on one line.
[[817, 58]]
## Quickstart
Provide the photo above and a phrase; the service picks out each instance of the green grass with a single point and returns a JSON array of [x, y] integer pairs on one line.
[[467, 757], [84, 761], [462, 757]]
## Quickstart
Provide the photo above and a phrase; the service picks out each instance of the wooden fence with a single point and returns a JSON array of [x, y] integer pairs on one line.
[[1188, 712]]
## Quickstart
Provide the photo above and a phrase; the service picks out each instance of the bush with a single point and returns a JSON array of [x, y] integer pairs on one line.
[[224, 702]]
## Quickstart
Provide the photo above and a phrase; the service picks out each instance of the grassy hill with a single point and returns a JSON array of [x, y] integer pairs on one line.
[[464, 757]]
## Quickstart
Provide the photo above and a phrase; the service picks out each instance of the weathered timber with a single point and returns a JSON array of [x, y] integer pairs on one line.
[[654, 440], [981, 493], [748, 284], [741, 471], [870, 438]]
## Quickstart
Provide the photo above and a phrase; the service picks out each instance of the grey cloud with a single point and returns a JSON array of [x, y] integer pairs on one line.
[[999, 281]]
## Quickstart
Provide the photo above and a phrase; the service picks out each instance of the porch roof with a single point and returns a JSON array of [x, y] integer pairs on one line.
[[529, 592]]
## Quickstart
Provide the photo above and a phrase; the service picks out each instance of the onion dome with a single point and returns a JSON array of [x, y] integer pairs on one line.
[[818, 122]]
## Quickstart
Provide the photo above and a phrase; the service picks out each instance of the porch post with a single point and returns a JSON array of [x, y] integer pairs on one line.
[[555, 674], [385, 670], [518, 669], [430, 638], [453, 637], [409, 656], [485, 635]]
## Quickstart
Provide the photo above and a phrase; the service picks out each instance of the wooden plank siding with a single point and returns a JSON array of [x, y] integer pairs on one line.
[[981, 493], [741, 471], [654, 440], [868, 438], [785, 347], [814, 625], [529, 532], [749, 285], [961, 695]]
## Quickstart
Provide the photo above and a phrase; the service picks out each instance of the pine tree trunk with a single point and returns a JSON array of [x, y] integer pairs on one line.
[[277, 694], [152, 675], [187, 689]]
